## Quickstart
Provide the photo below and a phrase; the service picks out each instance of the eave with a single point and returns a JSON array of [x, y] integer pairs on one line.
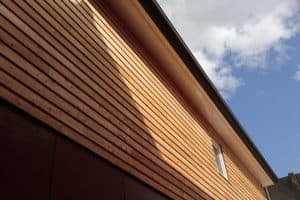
[[148, 23]]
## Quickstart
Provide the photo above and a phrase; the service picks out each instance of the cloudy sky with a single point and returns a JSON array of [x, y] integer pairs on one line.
[[250, 49]]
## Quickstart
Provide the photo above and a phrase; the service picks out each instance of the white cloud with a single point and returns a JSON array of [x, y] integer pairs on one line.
[[245, 30], [297, 74], [219, 74]]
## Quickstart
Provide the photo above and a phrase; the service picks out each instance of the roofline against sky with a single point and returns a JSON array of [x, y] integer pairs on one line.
[[167, 29]]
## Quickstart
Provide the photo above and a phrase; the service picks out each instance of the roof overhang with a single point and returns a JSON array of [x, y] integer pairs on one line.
[[147, 22]]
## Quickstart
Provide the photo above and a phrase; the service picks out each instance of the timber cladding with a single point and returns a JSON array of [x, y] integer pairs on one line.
[[72, 65]]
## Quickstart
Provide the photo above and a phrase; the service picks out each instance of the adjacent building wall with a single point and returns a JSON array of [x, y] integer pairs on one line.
[[287, 188], [72, 65]]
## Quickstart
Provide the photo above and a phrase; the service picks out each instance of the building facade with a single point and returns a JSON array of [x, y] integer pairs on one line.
[[287, 188], [102, 99]]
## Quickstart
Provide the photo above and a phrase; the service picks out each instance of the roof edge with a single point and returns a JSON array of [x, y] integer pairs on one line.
[[167, 29]]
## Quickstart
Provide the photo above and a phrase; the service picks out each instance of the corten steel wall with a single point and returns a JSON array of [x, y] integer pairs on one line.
[[38, 163], [72, 65]]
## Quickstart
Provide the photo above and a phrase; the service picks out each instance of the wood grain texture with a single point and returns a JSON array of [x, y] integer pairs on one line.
[[74, 66]]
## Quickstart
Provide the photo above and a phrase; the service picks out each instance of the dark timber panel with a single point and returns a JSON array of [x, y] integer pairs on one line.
[[78, 174], [137, 191], [39, 163], [26, 149]]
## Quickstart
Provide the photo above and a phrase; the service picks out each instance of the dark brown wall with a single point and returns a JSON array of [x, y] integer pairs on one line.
[[39, 163]]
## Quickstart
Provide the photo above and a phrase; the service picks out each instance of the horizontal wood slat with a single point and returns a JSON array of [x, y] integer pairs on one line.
[[74, 66]]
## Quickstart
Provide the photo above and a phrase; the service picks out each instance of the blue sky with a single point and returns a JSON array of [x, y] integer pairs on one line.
[[251, 51], [268, 107]]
